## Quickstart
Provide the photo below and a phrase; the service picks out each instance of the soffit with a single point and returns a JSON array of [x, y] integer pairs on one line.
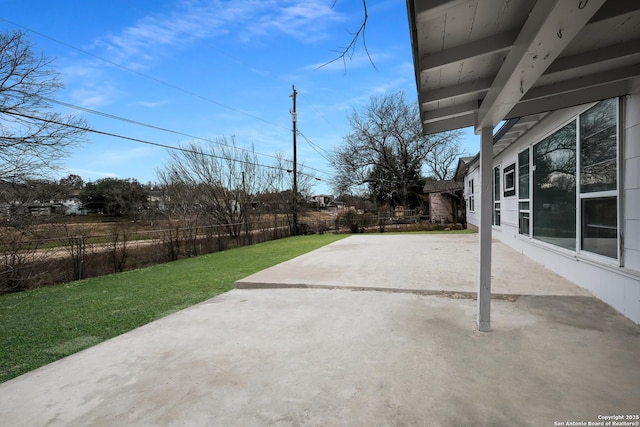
[[480, 62]]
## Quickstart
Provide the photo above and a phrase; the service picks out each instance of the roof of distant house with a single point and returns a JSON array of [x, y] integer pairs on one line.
[[443, 186]]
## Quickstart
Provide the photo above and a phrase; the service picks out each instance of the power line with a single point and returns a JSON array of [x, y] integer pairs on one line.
[[162, 82], [156, 144], [138, 123], [146, 76], [150, 126], [316, 147]]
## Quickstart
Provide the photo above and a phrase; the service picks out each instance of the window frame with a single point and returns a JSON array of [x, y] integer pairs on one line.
[[580, 197], [471, 196], [521, 211], [509, 171], [551, 136], [496, 190]]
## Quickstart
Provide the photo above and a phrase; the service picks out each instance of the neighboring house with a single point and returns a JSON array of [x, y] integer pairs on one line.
[[70, 206], [559, 181], [446, 200], [44, 209], [322, 200], [461, 169], [73, 206]]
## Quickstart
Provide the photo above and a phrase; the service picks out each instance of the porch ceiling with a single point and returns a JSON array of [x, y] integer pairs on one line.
[[478, 62]]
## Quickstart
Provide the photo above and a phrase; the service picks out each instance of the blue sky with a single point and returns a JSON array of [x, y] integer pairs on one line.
[[211, 68]]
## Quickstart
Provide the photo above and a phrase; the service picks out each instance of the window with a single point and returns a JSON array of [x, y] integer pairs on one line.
[[599, 179], [574, 184], [496, 195], [554, 188], [472, 207], [510, 180], [600, 226], [524, 211]]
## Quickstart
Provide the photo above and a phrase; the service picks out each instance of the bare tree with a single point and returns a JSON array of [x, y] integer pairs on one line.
[[118, 247], [440, 161], [18, 254], [386, 149], [33, 137], [179, 209], [222, 177]]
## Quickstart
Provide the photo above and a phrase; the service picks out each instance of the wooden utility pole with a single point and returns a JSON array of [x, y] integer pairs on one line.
[[294, 201]]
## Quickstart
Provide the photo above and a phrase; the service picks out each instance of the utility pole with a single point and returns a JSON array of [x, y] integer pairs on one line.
[[294, 201]]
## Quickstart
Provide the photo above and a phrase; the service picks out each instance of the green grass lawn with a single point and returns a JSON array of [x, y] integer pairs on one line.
[[43, 325]]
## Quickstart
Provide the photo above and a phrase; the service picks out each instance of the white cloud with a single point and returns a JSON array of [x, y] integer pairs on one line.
[[119, 157], [305, 21], [152, 104], [90, 87], [90, 174], [195, 20], [186, 22], [91, 95]]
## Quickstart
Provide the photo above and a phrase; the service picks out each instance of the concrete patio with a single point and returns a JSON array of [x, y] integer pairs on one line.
[[373, 330], [416, 263]]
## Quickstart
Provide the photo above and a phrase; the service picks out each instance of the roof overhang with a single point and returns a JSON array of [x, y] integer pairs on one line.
[[479, 62]]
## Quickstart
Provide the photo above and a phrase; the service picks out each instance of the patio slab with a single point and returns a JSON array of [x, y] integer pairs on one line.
[[312, 357], [340, 356], [420, 263]]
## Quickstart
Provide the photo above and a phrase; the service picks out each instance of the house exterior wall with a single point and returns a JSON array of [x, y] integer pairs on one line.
[[472, 195], [440, 207], [631, 180], [616, 282]]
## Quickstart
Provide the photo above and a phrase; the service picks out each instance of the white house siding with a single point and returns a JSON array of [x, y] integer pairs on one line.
[[618, 286], [632, 181], [473, 216]]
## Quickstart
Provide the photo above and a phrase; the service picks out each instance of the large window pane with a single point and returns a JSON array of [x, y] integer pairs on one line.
[[598, 148], [554, 188], [598, 179], [523, 193], [496, 196], [523, 218], [523, 174], [496, 183], [600, 226]]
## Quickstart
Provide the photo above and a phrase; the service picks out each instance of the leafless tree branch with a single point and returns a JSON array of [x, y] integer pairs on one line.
[[33, 137], [350, 49]]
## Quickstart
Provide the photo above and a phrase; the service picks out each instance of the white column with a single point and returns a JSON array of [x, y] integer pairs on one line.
[[486, 208]]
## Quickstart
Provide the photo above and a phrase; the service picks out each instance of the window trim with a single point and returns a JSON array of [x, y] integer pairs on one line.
[[495, 191], [529, 190], [471, 198], [580, 196], [620, 147], [509, 170], [577, 251]]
